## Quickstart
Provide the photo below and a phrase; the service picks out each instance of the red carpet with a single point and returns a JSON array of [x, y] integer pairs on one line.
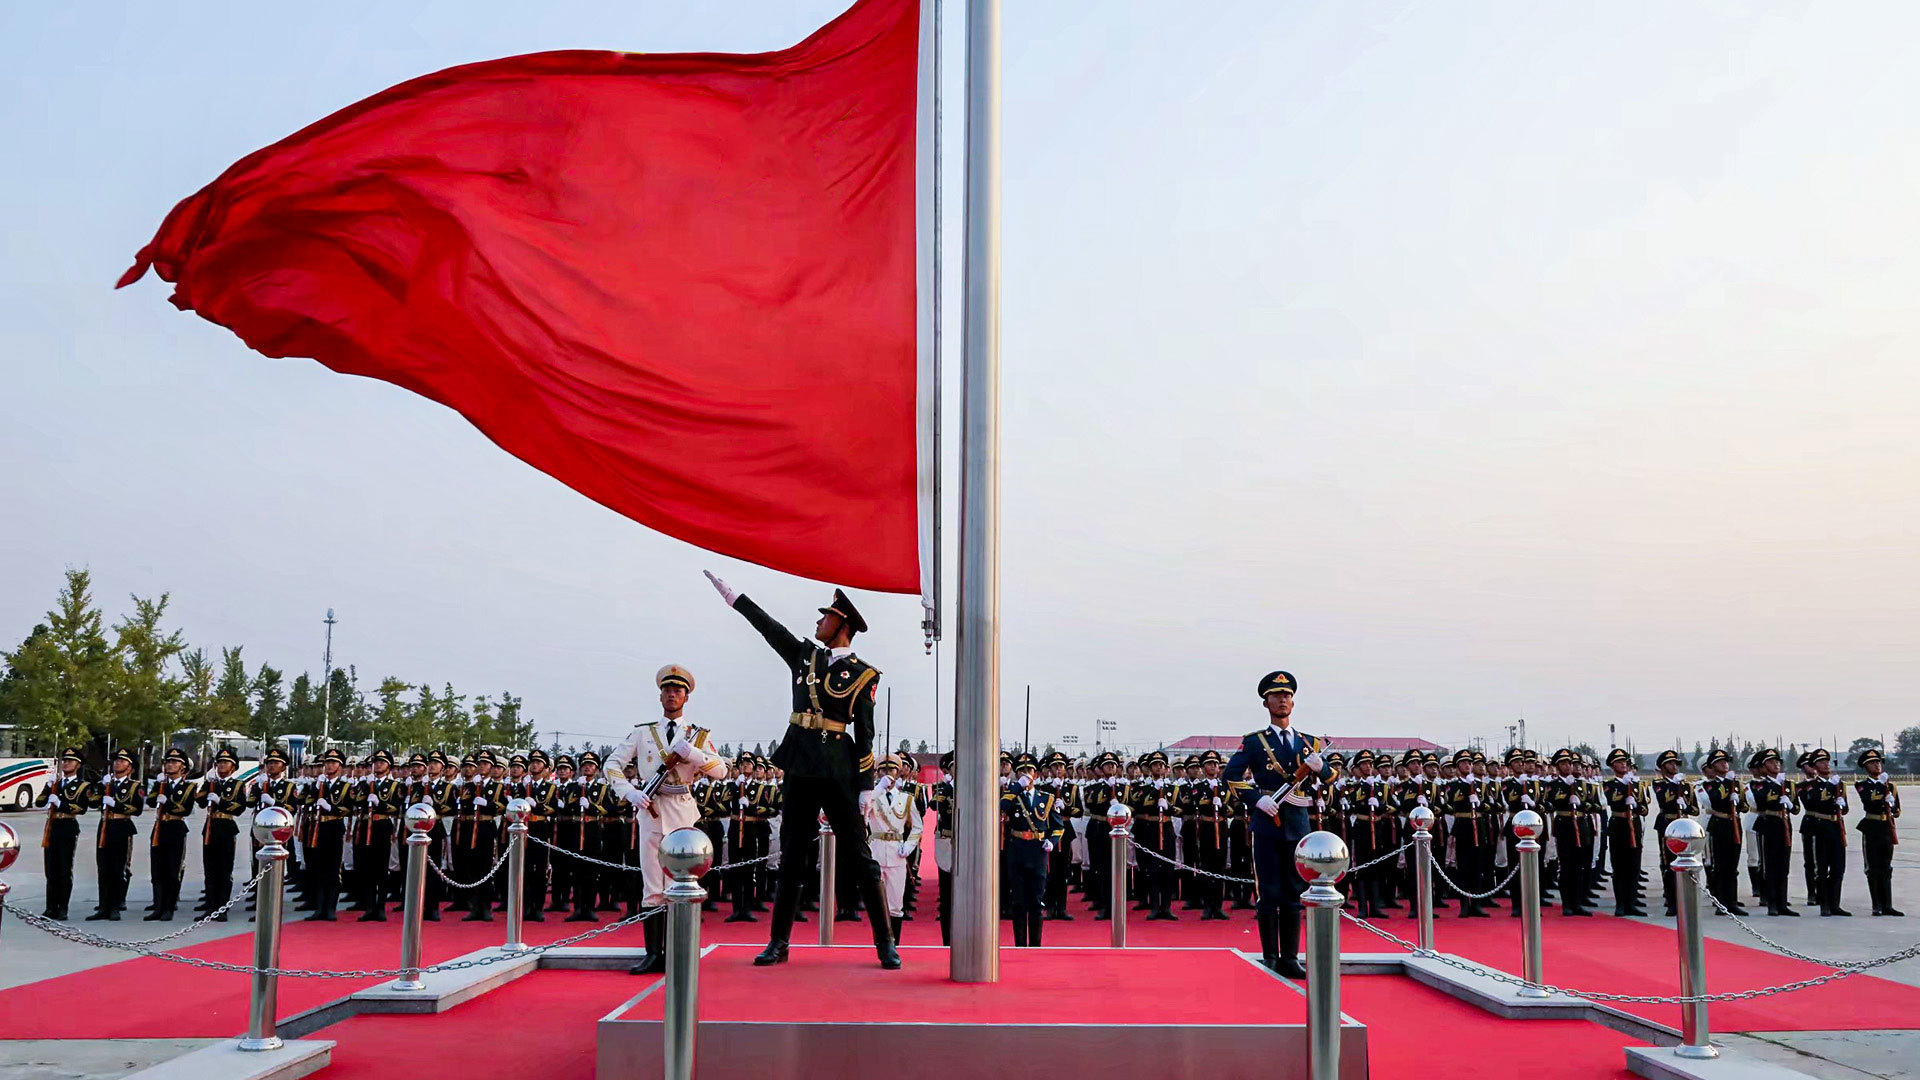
[[1036, 987], [540, 1026], [1414, 1031]]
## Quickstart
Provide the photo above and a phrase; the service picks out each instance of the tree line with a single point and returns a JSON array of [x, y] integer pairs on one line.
[[76, 680]]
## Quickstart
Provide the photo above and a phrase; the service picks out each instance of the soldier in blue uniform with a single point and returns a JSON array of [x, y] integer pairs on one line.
[[1726, 801], [1773, 828], [1273, 761], [66, 798], [119, 800], [1879, 808], [827, 756], [1031, 829], [171, 798], [1823, 798]]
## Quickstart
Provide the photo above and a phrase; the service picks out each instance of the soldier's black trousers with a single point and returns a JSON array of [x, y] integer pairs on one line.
[[323, 865], [1099, 863], [1772, 834], [1810, 860], [113, 860], [1623, 847], [370, 857], [1026, 867], [62, 838], [168, 864], [1057, 864], [1723, 866], [1660, 823], [1829, 856], [586, 876], [806, 798], [1573, 842], [1876, 851], [216, 860], [533, 891]]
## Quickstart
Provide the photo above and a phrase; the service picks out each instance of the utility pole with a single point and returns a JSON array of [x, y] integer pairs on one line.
[[1523, 733], [326, 681], [1610, 743], [1026, 730], [889, 721]]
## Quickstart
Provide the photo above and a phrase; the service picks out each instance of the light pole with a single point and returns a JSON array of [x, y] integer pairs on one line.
[[326, 684]]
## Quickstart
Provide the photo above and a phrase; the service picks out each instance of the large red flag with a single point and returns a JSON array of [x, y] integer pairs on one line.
[[684, 285]]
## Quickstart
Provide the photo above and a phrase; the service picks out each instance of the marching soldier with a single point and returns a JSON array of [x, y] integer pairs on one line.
[[1274, 761], [171, 798], [327, 804], [1773, 828], [226, 798], [1726, 800], [674, 751], [1030, 831], [893, 835], [1674, 798], [1569, 803], [827, 755], [1879, 809], [70, 795], [119, 802], [1626, 814], [1823, 799]]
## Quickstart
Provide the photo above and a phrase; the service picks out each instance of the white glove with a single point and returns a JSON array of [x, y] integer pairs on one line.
[[640, 799], [56, 801], [1473, 800], [1526, 800], [1046, 846], [266, 800], [1633, 803], [866, 800], [108, 801], [743, 802], [726, 593], [1316, 762], [479, 800], [1216, 801], [1576, 802], [584, 802], [1163, 804], [1267, 806], [1421, 801], [323, 804], [907, 848], [682, 748], [372, 798], [1373, 804]]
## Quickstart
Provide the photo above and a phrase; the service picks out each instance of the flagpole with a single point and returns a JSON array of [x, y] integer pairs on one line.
[[975, 955]]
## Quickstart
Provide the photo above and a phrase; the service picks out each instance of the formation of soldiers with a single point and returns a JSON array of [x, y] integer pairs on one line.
[[1054, 831]]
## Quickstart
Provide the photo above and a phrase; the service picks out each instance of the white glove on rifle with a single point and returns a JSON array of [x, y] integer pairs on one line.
[[1046, 846], [1526, 800], [1633, 803], [266, 800], [1373, 804], [1473, 800], [743, 802], [1163, 804], [1216, 801], [585, 802], [1267, 806], [640, 799], [55, 801], [479, 800], [1316, 762], [323, 805], [682, 748], [371, 798], [108, 801], [1421, 801], [726, 593]]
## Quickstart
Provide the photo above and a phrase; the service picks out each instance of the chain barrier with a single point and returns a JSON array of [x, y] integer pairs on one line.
[[1368, 865], [488, 876], [1754, 932], [634, 868], [81, 937], [1495, 891], [60, 930], [1642, 999]]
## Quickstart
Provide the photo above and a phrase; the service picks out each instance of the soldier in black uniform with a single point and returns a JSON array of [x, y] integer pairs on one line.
[[1773, 828], [937, 797], [539, 789], [1099, 795], [1673, 799], [119, 800], [1370, 831], [827, 755], [1569, 804], [226, 797], [69, 795], [1726, 801], [1879, 809], [1207, 806], [380, 796], [715, 802], [1066, 796], [1153, 803], [1470, 823], [273, 787], [1810, 838], [171, 797], [1823, 800], [1031, 831], [327, 803], [1626, 820]]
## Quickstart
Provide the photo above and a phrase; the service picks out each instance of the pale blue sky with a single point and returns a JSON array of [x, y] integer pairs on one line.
[[1471, 361]]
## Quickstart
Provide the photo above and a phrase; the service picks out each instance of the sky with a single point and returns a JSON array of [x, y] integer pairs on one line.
[[1473, 363]]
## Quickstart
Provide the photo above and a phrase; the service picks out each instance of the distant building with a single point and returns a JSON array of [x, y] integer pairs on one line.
[[1346, 744]]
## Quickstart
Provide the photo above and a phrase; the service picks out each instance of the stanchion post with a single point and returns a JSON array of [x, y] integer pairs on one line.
[[1321, 857], [420, 818], [1687, 840], [9, 851], [829, 872], [1422, 821], [685, 854], [518, 810], [1120, 821], [272, 827], [1527, 826]]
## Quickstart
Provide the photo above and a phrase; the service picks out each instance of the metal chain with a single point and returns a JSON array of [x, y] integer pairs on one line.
[[634, 868], [82, 937], [1644, 999], [1369, 864], [497, 864], [63, 931], [1776, 946], [1496, 890]]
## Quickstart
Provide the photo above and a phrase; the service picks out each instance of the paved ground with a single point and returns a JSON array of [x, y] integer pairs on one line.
[[87, 1059]]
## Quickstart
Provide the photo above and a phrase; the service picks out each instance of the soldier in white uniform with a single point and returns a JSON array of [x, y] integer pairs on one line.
[[893, 834], [672, 743]]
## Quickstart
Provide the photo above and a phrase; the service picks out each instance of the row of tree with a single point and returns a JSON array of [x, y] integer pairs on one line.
[[75, 680]]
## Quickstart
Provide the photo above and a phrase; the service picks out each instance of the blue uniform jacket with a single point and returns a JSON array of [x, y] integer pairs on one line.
[[1261, 765]]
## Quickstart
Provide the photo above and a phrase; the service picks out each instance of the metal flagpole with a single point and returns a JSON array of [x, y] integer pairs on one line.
[[975, 955]]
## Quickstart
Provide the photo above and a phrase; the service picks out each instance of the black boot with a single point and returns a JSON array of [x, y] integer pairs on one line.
[[1290, 944], [1269, 926], [882, 927], [897, 921], [1020, 930], [655, 962], [1033, 929]]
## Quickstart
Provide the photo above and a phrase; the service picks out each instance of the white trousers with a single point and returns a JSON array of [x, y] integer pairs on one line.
[[675, 812]]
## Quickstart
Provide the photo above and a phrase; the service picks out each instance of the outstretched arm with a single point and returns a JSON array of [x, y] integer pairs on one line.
[[791, 649]]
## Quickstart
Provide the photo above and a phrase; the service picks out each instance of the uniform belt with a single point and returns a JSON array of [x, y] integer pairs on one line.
[[1570, 813], [1469, 815], [1625, 814], [1373, 817], [333, 817], [111, 816], [890, 837], [1721, 814], [378, 817], [1026, 836], [1878, 817], [217, 816], [672, 789], [815, 722], [1817, 816], [1774, 813], [69, 817], [165, 816], [1154, 817]]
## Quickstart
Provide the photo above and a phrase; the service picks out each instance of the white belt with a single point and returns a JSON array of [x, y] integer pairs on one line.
[[672, 789]]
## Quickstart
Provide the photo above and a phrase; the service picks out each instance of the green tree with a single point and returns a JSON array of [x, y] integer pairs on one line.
[[512, 723], [303, 706], [196, 690], [419, 721], [922, 747], [452, 723], [232, 694], [269, 717], [62, 677], [348, 705], [1906, 747], [146, 695], [480, 722], [1863, 744]]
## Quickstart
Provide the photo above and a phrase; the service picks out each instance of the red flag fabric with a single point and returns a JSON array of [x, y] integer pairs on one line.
[[683, 285]]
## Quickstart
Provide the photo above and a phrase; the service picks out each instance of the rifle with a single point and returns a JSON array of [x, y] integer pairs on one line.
[[667, 762], [1300, 774]]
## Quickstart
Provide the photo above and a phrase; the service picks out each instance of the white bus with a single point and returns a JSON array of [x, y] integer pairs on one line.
[[26, 768]]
